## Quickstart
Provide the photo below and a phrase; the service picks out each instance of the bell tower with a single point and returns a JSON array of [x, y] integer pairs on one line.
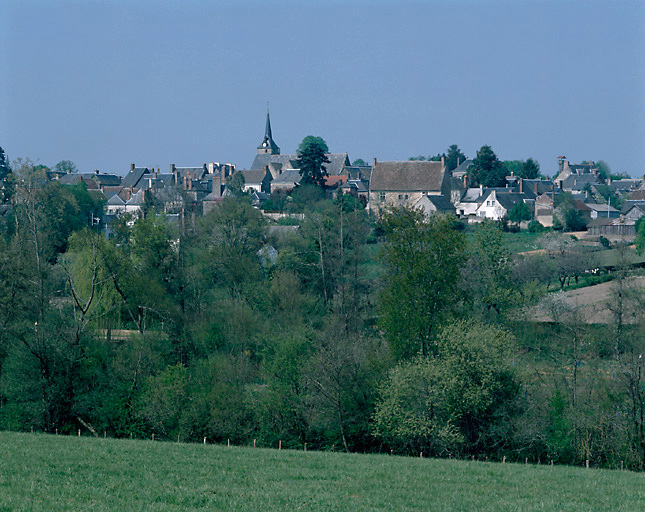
[[268, 145]]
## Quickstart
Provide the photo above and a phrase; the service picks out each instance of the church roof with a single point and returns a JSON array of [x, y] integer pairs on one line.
[[267, 141]]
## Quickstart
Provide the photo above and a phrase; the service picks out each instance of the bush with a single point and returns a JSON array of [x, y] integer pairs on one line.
[[604, 242], [535, 227]]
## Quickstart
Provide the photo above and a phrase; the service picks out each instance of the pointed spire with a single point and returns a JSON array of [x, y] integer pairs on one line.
[[268, 145]]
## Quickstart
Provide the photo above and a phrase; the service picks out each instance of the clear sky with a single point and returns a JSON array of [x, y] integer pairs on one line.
[[107, 83]]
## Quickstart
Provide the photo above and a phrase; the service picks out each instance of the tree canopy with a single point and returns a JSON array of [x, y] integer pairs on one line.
[[487, 170], [312, 157]]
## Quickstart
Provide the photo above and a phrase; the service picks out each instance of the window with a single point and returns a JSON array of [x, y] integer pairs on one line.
[[381, 196]]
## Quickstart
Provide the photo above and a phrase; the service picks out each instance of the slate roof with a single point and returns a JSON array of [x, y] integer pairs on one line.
[[115, 200], [603, 208], [289, 176], [134, 176], [509, 199], [253, 177], [441, 203], [337, 162], [579, 181], [109, 180], [408, 176]]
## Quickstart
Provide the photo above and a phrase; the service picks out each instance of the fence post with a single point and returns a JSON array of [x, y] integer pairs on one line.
[[79, 432], [254, 443], [153, 437], [587, 463], [178, 438], [228, 443], [621, 465], [504, 459], [280, 445], [130, 434], [305, 446], [526, 461], [421, 455], [204, 440]]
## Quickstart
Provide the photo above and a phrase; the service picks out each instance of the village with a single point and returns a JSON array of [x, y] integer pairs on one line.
[[431, 186]]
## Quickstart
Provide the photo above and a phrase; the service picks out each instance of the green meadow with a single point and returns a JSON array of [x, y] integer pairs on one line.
[[49, 473]]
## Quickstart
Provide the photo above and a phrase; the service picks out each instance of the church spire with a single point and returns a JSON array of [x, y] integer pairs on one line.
[[268, 145]]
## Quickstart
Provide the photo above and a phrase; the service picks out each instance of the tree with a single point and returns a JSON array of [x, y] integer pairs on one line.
[[519, 212], [5, 184], [459, 400], [454, 157], [235, 184], [312, 155], [487, 170], [359, 162], [421, 282], [530, 170], [572, 218], [640, 238], [66, 166]]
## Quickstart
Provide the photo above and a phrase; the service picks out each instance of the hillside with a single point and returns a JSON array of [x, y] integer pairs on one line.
[[50, 473]]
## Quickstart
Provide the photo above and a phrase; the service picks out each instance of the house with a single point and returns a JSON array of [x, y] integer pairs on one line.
[[432, 205], [286, 181], [259, 181], [543, 209], [497, 204], [602, 210], [633, 210], [403, 183]]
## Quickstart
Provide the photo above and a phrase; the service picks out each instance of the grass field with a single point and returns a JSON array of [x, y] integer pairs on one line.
[[49, 473]]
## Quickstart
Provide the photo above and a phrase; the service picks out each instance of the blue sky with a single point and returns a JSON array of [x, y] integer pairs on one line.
[[105, 83]]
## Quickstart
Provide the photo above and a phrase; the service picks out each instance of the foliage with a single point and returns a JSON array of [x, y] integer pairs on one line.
[[454, 157], [452, 401], [487, 170], [519, 212], [640, 238], [5, 182], [359, 162], [422, 257], [535, 227], [312, 157], [65, 166]]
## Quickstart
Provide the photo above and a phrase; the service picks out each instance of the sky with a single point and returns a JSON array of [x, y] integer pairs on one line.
[[110, 83]]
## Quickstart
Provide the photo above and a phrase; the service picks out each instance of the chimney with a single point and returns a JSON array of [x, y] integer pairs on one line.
[[465, 180], [521, 185], [204, 167], [217, 184], [481, 189], [443, 161], [96, 171], [373, 163], [132, 167], [457, 161], [172, 168], [211, 167]]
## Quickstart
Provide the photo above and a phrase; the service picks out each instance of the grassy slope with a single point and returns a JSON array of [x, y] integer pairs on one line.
[[49, 473]]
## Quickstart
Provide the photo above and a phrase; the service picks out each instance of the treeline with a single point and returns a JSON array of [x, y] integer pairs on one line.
[[407, 335]]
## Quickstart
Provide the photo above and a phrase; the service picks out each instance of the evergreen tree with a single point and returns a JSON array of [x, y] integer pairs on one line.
[[311, 159]]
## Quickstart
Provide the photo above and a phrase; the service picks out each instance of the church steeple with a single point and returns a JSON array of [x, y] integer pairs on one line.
[[268, 145]]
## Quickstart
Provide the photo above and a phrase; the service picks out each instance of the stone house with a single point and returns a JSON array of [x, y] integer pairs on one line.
[[404, 183]]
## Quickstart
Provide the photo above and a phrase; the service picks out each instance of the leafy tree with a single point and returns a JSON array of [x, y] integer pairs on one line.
[[312, 157], [421, 282], [640, 238], [519, 213], [487, 275], [66, 166], [235, 184], [572, 218], [359, 162], [419, 158], [457, 401], [487, 170]]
